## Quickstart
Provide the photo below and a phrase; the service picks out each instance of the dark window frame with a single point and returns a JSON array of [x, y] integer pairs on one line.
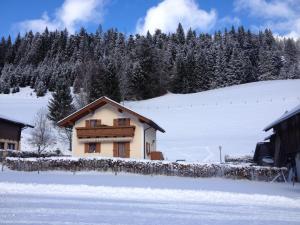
[[92, 147], [122, 121], [93, 123], [13, 144]]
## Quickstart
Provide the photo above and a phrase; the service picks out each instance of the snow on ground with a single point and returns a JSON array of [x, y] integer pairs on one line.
[[105, 198], [196, 124], [233, 117], [23, 106]]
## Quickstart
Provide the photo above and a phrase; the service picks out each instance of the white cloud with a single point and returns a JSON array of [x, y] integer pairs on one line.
[[70, 15], [167, 14], [265, 9], [283, 17]]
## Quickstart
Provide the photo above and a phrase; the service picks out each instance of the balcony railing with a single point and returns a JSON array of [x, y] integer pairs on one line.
[[105, 131]]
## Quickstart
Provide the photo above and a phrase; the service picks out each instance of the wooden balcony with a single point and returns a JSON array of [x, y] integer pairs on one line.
[[105, 131]]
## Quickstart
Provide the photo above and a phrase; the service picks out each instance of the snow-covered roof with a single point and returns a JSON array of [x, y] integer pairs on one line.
[[15, 121], [284, 117]]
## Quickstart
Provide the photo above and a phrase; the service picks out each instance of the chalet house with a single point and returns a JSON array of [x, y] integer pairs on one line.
[[284, 144], [106, 128], [10, 133]]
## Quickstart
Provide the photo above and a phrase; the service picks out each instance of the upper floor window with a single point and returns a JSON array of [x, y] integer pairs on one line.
[[123, 122], [93, 123], [11, 146], [2, 145]]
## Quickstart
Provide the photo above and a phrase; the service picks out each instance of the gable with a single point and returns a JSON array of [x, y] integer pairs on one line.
[[90, 108], [107, 114]]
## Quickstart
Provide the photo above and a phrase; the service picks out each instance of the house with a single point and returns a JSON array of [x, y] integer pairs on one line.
[[10, 133], [107, 128], [283, 145]]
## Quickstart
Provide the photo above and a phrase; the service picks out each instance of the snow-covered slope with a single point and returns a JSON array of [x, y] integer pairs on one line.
[[233, 117], [196, 124]]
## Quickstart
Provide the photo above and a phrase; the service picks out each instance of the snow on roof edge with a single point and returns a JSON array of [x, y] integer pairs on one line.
[[284, 117], [14, 120]]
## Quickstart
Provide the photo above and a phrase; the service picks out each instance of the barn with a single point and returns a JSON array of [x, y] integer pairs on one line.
[[283, 145]]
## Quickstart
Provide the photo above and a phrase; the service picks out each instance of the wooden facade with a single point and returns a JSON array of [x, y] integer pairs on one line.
[[10, 133], [105, 131], [286, 140], [284, 144]]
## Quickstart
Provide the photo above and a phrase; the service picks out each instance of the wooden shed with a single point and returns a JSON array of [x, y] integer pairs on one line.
[[10, 133], [284, 143]]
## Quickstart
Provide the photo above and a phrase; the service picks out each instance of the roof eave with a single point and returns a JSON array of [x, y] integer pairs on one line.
[[69, 119]]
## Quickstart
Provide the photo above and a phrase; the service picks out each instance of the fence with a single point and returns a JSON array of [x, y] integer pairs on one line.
[[243, 171]]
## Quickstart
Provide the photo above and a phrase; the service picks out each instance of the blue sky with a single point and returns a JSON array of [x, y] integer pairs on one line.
[[138, 16]]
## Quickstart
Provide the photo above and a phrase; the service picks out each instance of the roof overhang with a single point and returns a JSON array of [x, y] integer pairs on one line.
[[72, 118], [18, 123], [284, 117]]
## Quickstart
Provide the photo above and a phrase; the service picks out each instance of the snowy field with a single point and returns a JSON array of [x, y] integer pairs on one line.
[[105, 198], [196, 124]]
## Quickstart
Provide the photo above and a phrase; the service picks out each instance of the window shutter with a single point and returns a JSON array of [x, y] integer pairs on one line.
[[127, 150], [98, 124], [98, 147], [115, 149], [127, 123], [86, 148], [87, 123], [116, 122]]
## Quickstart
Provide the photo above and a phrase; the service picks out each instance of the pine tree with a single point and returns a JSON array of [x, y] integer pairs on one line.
[[111, 82], [40, 88], [180, 36], [60, 105]]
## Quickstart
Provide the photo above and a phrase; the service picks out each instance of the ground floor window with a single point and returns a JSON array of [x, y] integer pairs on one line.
[[11, 146], [2, 145], [148, 148], [92, 147]]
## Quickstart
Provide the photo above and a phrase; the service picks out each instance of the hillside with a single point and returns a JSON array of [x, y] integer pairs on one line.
[[196, 124], [233, 117]]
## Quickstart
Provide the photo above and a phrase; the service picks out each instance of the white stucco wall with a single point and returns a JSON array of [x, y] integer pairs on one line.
[[150, 137], [107, 114]]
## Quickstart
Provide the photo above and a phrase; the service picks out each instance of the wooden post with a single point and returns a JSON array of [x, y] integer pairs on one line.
[[220, 149]]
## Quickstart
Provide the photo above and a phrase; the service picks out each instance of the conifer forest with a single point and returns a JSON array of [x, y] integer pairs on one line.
[[134, 67]]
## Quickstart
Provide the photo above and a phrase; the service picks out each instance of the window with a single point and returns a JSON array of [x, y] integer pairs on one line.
[[11, 146], [123, 122], [92, 148], [93, 123], [121, 150], [147, 148], [2, 145]]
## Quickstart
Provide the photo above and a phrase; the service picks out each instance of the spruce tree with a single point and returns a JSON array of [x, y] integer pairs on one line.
[[60, 105]]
